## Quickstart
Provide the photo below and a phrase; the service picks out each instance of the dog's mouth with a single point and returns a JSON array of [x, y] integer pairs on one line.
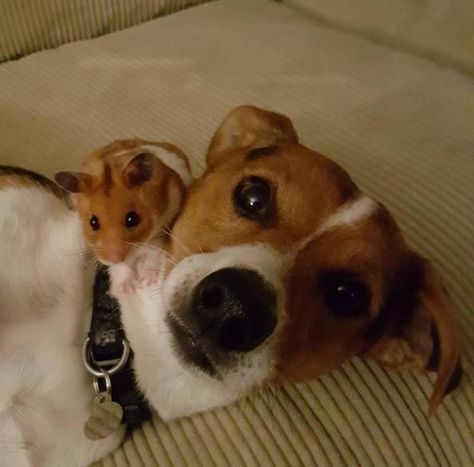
[[229, 314], [189, 349]]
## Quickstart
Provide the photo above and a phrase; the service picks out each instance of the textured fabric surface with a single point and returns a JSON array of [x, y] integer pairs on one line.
[[439, 30], [28, 26], [402, 125]]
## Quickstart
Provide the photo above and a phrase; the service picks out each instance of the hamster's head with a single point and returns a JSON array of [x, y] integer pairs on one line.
[[123, 199]]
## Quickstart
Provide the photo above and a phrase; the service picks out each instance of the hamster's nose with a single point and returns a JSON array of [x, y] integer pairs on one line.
[[110, 254]]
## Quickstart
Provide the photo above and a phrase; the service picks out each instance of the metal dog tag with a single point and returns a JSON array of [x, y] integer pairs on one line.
[[105, 417]]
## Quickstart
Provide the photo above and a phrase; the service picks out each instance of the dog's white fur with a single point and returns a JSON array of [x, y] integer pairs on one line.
[[45, 298], [45, 304], [174, 390], [349, 213]]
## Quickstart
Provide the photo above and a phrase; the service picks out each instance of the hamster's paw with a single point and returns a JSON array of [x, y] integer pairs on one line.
[[148, 277], [128, 285], [124, 280], [150, 267]]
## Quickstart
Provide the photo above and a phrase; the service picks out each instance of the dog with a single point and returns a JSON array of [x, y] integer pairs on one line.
[[279, 269]]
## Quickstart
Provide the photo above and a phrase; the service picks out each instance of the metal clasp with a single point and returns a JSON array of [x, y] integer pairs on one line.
[[94, 367]]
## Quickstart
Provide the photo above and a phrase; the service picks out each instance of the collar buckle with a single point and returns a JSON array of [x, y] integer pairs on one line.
[[95, 368]]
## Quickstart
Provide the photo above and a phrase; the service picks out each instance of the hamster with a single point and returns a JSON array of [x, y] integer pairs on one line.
[[127, 193]]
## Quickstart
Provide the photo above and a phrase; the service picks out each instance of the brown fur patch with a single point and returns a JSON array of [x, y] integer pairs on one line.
[[19, 177], [299, 207], [324, 340], [107, 180], [308, 188], [257, 153]]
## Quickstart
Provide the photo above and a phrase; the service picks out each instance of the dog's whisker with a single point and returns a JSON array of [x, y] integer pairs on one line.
[[179, 321], [174, 383]]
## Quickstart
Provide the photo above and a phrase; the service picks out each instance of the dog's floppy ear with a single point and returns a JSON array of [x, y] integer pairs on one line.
[[250, 127], [416, 329]]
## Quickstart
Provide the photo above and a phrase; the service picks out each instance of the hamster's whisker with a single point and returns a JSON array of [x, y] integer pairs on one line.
[[178, 240], [168, 256]]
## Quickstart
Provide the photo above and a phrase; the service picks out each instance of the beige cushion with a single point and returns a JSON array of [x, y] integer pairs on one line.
[[402, 126], [28, 26], [438, 30]]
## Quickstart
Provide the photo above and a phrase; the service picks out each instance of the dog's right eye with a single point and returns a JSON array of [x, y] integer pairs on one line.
[[253, 198], [94, 223], [345, 295]]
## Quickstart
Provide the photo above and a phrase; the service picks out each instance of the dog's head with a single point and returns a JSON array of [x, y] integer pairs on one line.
[[284, 269]]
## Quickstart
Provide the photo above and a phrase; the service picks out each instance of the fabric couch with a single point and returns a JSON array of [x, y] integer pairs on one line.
[[384, 88]]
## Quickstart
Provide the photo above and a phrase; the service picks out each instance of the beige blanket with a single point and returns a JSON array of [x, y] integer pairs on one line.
[[400, 122]]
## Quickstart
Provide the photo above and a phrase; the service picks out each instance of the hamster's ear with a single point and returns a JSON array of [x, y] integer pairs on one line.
[[74, 182], [139, 169], [418, 330], [250, 128]]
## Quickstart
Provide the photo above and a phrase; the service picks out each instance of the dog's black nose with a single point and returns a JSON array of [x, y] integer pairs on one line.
[[236, 307]]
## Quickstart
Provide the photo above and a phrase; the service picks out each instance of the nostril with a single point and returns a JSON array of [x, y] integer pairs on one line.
[[211, 296], [239, 335]]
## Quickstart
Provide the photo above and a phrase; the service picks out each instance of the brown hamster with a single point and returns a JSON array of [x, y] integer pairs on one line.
[[126, 193]]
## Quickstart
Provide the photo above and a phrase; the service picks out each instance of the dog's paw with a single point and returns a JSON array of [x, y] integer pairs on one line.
[[397, 354]]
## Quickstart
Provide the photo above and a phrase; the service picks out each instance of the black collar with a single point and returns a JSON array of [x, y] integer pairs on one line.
[[106, 334]]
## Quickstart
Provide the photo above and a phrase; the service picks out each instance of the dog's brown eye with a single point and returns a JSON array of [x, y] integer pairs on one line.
[[132, 219], [344, 294], [253, 198], [94, 223]]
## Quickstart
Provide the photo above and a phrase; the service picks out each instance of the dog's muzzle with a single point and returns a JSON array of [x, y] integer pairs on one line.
[[235, 308], [230, 313]]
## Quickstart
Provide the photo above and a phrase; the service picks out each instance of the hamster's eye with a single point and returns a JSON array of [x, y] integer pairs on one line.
[[94, 222], [132, 219]]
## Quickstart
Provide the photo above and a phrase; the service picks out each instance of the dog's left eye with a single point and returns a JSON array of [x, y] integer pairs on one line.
[[253, 197], [344, 294]]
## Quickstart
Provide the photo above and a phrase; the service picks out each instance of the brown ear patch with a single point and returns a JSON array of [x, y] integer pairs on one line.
[[248, 127], [401, 300], [415, 329], [140, 169], [434, 362]]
